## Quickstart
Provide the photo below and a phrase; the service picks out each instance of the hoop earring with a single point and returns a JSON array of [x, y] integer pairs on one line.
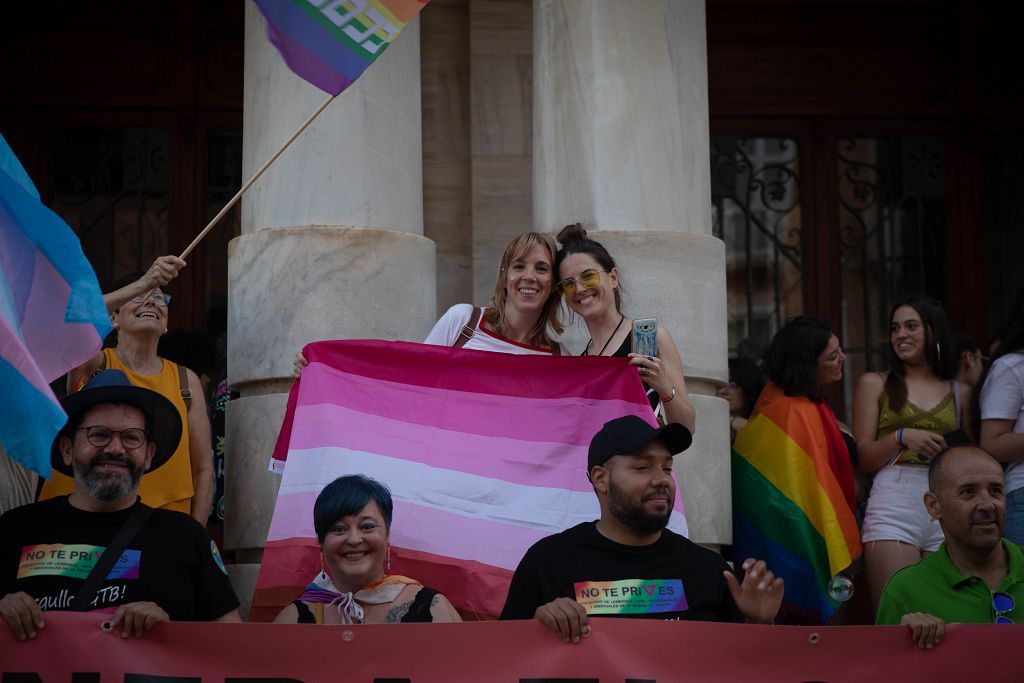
[[387, 562], [938, 350]]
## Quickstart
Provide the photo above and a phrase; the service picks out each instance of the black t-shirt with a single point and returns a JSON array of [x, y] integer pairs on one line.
[[48, 548], [671, 578]]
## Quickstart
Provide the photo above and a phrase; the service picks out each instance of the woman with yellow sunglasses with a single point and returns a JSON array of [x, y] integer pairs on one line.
[[589, 283]]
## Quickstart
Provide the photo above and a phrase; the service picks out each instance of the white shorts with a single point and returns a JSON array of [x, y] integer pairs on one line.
[[896, 510]]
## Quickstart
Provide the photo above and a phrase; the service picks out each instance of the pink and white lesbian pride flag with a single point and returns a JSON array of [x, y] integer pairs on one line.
[[484, 453]]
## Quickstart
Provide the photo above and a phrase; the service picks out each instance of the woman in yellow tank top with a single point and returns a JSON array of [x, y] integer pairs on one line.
[[139, 313], [901, 420]]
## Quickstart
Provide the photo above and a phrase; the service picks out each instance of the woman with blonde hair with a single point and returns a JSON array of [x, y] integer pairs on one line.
[[523, 315]]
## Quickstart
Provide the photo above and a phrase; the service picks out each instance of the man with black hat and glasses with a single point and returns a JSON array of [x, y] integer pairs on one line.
[[627, 564], [976, 576], [100, 549]]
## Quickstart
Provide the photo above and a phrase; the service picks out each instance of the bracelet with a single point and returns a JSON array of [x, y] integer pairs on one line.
[[899, 438], [666, 399]]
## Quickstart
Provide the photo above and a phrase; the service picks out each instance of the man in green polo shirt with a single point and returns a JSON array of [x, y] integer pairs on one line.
[[976, 576]]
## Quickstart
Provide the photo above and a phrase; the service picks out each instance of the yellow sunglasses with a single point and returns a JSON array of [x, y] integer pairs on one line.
[[588, 279]]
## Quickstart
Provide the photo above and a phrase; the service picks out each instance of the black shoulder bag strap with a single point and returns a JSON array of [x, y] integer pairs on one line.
[[98, 575]]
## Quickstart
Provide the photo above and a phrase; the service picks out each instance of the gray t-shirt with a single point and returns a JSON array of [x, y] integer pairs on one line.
[[1002, 398]]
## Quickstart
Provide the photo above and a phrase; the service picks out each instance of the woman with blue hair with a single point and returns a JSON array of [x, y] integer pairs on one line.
[[352, 518]]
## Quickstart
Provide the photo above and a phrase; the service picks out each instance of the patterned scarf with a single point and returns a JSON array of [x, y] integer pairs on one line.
[[321, 589]]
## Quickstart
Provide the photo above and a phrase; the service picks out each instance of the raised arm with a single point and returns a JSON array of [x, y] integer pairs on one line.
[[163, 270], [664, 374]]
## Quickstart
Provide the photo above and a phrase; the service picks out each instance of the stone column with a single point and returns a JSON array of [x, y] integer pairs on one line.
[[621, 144], [332, 247]]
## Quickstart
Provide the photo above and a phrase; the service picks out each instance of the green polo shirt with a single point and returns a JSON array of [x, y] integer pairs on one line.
[[935, 586]]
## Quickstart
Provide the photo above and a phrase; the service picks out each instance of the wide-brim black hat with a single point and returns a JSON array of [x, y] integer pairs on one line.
[[624, 434], [113, 386]]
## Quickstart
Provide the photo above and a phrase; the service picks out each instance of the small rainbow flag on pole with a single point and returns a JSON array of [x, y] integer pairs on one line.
[[52, 316], [792, 493], [484, 453], [331, 42]]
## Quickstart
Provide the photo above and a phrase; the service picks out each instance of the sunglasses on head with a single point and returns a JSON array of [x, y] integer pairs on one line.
[[588, 279], [1001, 604]]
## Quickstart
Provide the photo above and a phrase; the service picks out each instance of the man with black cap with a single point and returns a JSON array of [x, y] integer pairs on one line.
[[627, 564], [100, 549]]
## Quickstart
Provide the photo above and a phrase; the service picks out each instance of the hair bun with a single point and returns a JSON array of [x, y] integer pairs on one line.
[[571, 233]]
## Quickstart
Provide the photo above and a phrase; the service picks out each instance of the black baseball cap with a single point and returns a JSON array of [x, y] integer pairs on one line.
[[624, 434]]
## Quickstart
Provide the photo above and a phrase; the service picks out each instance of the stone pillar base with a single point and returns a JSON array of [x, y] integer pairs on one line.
[[252, 425], [293, 286], [704, 473]]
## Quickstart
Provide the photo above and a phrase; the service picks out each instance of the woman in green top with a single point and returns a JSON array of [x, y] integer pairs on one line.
[[901, 420]]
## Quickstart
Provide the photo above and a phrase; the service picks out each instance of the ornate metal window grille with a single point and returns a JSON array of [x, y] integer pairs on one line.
[[892, 226], [755, 191]]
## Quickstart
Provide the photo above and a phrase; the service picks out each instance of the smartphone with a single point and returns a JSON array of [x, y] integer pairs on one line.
[[645, 336]]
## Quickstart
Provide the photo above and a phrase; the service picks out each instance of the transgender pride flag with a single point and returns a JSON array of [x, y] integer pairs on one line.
[[331, 42], [52, 316], [484, 453]]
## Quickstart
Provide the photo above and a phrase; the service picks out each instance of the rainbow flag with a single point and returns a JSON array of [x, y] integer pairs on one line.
[[331, 42], [52, 316], [792, 492], [485, 454]]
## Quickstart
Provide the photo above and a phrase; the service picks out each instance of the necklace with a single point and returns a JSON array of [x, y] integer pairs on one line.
[[601, 352]]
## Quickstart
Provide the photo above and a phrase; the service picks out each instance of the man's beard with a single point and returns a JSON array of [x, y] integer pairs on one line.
[[634, 516], [107, 487]]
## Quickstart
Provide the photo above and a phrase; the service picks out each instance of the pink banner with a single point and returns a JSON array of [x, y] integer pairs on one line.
[[619, 650]]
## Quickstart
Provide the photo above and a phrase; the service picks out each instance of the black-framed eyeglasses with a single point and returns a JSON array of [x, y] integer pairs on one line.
[[99, 436], [588, 279], [1001, 604], [159, 298]]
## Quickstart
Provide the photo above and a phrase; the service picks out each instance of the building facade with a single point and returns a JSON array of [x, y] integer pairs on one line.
[[747, 161]]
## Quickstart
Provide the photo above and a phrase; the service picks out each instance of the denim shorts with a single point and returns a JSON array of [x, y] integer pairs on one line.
[[896, 510], [1014, 529]]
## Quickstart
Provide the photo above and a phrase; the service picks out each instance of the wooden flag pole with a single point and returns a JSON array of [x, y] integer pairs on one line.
[[248, 184]]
